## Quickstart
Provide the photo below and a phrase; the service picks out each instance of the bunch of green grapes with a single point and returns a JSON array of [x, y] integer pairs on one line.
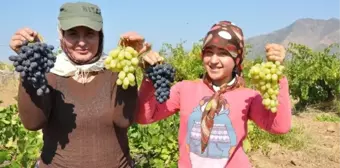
[[265, 77], [123, 60]]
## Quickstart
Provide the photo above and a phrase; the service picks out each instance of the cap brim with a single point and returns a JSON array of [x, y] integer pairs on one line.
[[70, 23]]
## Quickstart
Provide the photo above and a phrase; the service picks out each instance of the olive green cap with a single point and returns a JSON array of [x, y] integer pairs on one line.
[[80, 14]]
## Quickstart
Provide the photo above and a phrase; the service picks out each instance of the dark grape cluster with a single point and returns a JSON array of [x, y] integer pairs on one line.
[[33, 61], [161, 75]]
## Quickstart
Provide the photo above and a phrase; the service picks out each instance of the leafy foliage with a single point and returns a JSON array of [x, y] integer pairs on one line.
[[18, 147], [314, 76], [4, 66], [155, 145], [257, 139], [188, 65], [327, 118]]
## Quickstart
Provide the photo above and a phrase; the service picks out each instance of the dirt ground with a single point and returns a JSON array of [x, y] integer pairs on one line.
[[8, 92], [322, 146], [322, 141]]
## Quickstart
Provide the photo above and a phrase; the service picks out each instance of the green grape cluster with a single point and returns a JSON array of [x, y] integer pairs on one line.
[[123, 60], [265, 77]]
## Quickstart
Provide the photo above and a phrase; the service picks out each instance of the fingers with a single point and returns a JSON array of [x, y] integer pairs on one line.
[[27, 33], [22, 35], [18, 37], [149, 60], [275, 52], [152, 58], [15, 44], [136, 41], [133, 36], [274, 56], [128, 34], [275, 47], [146, 47], [136, 37]]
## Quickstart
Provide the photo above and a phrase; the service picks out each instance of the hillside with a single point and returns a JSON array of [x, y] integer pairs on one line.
[[315, 33]]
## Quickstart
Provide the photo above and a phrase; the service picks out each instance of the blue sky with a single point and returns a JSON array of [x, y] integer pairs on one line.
[[170, 21]]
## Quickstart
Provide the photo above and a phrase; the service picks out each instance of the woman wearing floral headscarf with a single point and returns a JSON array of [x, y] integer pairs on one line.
[[214, 110]]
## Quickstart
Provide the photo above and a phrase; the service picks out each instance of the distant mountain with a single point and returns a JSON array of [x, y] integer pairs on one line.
[[314, 33]]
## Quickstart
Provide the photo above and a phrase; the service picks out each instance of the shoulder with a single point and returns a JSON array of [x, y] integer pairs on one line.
[[187, 86]]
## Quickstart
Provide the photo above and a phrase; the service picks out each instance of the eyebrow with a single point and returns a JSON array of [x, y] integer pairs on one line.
[[71, 30]]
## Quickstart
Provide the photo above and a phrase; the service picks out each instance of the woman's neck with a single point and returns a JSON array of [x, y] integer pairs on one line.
[[228, 80], [87, 78]]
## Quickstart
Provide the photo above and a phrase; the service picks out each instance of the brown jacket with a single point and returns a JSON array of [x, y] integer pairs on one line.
[[84, 125]]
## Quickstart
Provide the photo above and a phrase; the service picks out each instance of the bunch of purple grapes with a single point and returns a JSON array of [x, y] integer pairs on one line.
[[33, 61], [161, 75]]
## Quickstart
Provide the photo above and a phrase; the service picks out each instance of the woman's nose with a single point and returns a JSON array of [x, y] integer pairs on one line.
[[214, 59]]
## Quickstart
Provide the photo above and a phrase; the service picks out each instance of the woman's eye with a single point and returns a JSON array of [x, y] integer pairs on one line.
[[72, 33], [91, 34], [225, 54]]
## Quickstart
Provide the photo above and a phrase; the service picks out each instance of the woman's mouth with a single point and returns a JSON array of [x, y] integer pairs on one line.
[[214, 69], [82, 51]]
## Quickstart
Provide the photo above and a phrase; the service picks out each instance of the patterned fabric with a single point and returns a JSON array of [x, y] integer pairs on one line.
[[229, 37], [65, 67], [214, 106]]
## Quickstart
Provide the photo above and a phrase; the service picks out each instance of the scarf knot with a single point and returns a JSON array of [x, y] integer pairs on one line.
[[214, 105], [66, 68]]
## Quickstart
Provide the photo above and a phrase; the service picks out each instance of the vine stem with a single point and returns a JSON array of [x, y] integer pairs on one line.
[[39, 38]]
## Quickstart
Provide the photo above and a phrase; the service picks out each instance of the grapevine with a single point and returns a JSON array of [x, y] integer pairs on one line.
[[265, 77], [33, 61], [161, 75], [123, 60]]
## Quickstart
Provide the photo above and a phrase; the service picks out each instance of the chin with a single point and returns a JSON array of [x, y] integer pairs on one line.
[[215, 76], [80, 57]]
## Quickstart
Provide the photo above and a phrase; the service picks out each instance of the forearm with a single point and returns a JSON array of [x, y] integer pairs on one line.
[[281, 121], [33, 110], [276, 123], [149, 110]]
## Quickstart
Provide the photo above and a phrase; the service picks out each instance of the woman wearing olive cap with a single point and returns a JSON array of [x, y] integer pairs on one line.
[[86, 115]]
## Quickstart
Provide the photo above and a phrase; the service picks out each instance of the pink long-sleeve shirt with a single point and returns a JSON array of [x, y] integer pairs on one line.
[[230, 124]]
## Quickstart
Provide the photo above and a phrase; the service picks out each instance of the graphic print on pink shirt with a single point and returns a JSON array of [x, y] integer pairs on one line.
[[222, 138]]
